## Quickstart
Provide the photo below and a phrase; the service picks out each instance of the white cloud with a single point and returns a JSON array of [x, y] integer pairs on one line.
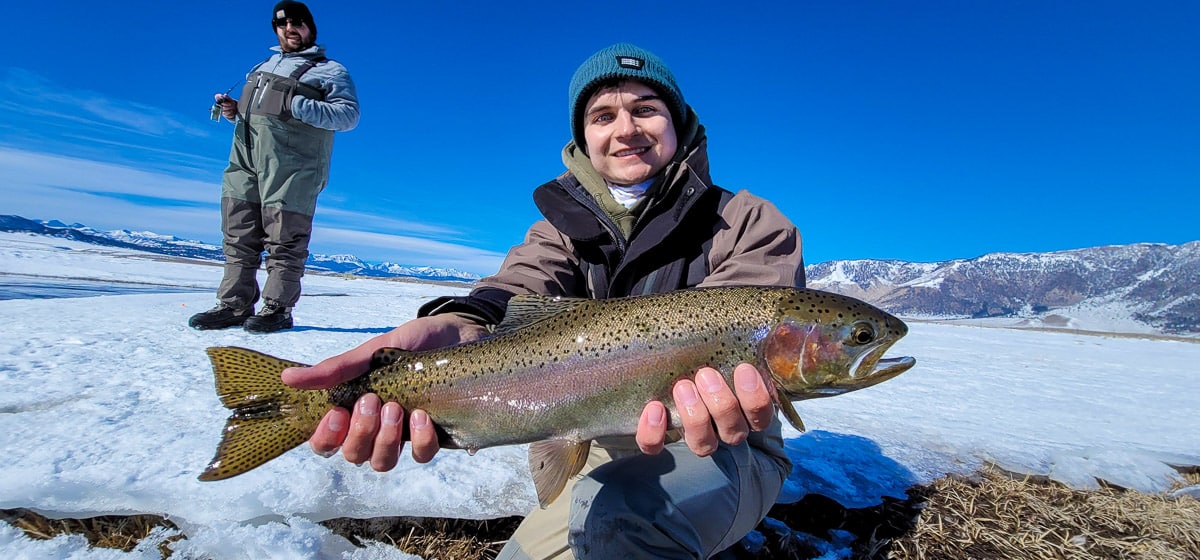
[[382, 222], [114, 196], [65, 175], [406, 249], [39, 97]]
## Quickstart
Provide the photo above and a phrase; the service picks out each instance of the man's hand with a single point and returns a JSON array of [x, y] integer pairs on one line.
[[373, 430], [228, 105], [710, 411]]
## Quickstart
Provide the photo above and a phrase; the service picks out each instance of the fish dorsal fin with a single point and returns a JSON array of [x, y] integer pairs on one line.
[[386, 357], [789, 411], [553, 462], [527, 309]]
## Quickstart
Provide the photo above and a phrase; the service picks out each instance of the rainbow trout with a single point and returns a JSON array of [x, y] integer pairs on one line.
[[560, 372]]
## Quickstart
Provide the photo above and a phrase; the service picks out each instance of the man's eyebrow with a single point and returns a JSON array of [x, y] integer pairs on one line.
[[607, 106]]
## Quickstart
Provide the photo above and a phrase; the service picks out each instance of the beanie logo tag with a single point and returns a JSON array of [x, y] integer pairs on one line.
[[631, 62]]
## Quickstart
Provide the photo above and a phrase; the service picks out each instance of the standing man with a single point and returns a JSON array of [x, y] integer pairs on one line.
[[282, 146]]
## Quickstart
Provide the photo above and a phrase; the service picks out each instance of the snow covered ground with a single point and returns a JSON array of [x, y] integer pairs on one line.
[[107, 407]]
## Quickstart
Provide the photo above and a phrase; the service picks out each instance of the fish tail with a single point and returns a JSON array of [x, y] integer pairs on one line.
[[269, 418]]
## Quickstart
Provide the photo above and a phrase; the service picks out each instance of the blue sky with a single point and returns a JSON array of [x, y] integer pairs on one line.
[[921, 131]]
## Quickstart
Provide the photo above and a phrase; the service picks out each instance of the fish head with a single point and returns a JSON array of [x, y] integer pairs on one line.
[[830, 344]]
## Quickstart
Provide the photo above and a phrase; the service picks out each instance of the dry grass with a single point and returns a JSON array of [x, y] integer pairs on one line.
[[998, 516], [121, 532], [989, 516], [447, 539]]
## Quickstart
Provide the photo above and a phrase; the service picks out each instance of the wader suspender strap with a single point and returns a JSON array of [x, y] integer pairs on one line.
[[308, 65], [300, 70], [295, 75]]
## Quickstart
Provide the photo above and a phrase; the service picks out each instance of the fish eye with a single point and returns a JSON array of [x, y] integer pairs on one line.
[[862, 333]]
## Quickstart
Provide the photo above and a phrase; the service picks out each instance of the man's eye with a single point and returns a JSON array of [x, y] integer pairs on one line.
[[602, 118], [645, 110]]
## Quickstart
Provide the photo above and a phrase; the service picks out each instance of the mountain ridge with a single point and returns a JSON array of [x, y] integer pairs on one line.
[[1150, 288], [1152, 284], [186, 248]]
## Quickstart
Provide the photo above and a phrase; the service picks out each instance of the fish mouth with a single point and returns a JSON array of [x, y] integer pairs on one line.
[[871, 367], [891, 367], [880, 370]]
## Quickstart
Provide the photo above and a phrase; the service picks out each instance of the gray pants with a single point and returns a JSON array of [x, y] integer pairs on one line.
[[251, 229], [671, 505]]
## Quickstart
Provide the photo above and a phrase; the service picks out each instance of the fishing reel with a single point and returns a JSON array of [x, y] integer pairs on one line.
[[215, 112]]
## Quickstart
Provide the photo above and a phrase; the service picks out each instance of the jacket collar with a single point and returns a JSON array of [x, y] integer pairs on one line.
[[310, 52]]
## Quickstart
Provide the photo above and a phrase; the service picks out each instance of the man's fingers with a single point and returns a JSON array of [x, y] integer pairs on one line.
[[306, 378], [722, 406], [390, 440], [327, 373], [652, 428], [424, 437], [697, 424], [335, 370], [364, 424], [753, 396], [330, 432]]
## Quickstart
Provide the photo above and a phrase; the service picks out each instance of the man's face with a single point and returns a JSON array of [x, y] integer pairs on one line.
[[294, 34], [629, 133]]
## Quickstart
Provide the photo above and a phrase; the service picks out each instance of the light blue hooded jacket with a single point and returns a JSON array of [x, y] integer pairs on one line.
[[339, 110]]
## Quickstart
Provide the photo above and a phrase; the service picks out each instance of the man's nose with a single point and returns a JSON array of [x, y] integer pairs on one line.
[[626, 124]]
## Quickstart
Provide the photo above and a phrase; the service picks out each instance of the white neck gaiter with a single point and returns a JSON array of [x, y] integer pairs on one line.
[[628, 195]]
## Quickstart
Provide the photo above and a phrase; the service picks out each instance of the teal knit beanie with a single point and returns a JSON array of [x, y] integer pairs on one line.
[[623, 60]]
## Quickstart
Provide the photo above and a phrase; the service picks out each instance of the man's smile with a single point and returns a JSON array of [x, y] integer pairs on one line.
[[631, 151]]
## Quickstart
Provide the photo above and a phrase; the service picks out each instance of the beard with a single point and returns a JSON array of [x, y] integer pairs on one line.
[[285, 43]]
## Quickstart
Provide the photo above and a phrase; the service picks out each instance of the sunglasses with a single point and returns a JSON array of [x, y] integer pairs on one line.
[[283, 22]]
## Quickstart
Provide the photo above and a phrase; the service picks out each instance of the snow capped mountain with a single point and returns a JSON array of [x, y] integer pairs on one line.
[[349, 264], [1145, 288], [1151, 285], [186, 248]]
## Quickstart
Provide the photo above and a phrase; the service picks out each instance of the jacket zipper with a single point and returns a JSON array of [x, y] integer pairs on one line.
[[580, 194]]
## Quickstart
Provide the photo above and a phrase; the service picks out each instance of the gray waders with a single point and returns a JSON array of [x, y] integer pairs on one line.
[[629, 506], [277, 168]]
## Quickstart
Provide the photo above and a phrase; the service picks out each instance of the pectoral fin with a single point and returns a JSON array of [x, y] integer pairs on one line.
[[789, 412], [553, 462]]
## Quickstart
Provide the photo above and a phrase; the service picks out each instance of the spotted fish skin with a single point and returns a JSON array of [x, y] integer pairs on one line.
[[560, 372]]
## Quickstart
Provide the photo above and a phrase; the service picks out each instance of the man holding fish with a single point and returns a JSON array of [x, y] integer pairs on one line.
[[635, 213]]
